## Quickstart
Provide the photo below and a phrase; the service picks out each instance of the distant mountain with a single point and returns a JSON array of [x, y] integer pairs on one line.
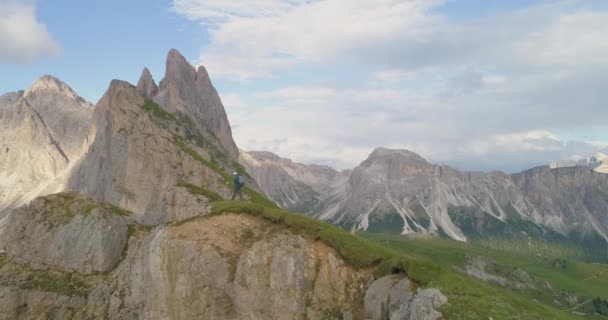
[[400, 192], [295, 186], [43, 132]]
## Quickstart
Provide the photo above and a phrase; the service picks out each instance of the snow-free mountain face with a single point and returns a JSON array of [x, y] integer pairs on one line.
[[43, 132], [146, 142], [295, 186], [399, 191]]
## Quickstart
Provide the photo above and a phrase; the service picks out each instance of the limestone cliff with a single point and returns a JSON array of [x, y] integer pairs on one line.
[[137, 159], [225, 266]]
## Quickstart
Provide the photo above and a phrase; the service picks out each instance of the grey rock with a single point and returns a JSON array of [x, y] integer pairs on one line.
[[187, 91], [376, 300], [43, 133], [422, 307], [399, 295], [391, 298], [294, 186], [67, 232], [146, 84], [133, 162]]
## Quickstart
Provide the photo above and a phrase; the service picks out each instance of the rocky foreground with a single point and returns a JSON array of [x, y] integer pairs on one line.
[[69, 257]]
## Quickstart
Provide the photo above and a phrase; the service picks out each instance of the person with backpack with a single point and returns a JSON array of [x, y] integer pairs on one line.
[[239, 182]]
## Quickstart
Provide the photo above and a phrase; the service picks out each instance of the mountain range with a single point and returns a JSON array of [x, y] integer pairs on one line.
[[116, 211], [398, 191]]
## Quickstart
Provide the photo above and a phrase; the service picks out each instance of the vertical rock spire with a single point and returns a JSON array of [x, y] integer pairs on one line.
[[146, 84]]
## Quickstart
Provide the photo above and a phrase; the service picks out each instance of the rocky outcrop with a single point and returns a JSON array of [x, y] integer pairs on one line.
[[43, 132], [391, 298], [65, 231], [188, 91], [234, 267], [137, 158], [146, 84], [220, 267]]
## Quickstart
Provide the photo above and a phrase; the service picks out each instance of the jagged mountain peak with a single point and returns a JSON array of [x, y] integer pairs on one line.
[[50, 85], [190, 93], [146, 84], [178, 68]]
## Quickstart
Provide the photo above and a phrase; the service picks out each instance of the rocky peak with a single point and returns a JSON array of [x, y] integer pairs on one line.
[[190, 93], [178, 68], [146, 84], [48, 84]]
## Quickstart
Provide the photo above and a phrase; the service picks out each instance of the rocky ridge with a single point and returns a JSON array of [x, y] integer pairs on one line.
[[220, 267], [398, 191]]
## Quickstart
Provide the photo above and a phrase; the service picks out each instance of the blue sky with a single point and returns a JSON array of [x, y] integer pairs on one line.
[[477, 84]]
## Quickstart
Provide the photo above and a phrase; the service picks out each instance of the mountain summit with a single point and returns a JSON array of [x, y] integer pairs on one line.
[[43, 132], [189, 92]]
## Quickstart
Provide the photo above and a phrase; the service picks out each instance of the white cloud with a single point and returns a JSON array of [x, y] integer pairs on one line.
[[22, 36], [487, 93], [247, 41]]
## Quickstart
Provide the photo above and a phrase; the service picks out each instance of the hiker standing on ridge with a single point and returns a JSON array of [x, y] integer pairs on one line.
[[239, 181]]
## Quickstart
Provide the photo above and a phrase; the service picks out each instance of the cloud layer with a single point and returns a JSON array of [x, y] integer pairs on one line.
[[22, 36], [492, 92]]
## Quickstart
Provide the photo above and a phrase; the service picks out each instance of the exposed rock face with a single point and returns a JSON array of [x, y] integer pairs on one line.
[[65, 114], [229, 267], [188, 91], [220, 267], [292, 185], [570, 199], [43, 132], [65, 231], [391, 298], [146, 84], [135, 161], [398, 191]]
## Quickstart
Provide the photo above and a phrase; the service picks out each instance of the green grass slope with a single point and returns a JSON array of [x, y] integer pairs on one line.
[[476, 299]]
